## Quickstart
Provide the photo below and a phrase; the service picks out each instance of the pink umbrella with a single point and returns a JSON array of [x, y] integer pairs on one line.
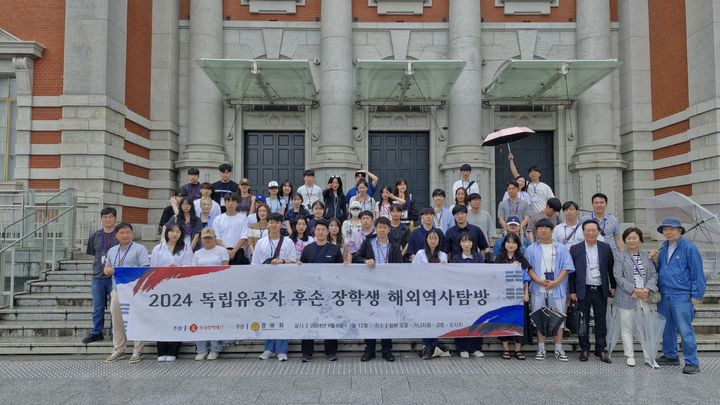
[[507, 135]]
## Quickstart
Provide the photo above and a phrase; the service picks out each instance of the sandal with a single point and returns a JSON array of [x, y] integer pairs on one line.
[[520, 355], [506, 355]]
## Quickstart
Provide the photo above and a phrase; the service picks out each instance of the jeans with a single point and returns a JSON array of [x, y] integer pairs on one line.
[[276, 346], [678, 311], [594, 298], [215, 346], [371, 344], [101, 290]]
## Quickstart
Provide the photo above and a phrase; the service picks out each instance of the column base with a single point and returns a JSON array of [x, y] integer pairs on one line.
[[599, 170], [205, 157]]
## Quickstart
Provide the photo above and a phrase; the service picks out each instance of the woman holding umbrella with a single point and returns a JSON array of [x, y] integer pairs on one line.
[[636, 280]]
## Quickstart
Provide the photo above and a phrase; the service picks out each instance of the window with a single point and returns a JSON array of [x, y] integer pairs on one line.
[[8, 114]]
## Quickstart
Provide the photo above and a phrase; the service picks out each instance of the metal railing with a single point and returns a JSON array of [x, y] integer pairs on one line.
[[47, 235]]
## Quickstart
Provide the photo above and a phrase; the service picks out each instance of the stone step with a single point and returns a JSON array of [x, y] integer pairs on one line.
[[707, 311], [69, 275], [48, 313], [54, 299], [76, 265], [65, 345], [711, 298], [45, 328], [60, 287]]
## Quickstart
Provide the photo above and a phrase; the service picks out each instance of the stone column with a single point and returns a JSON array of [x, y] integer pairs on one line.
[[597, 158], [336, 154], [204, 148], [635, 108], [465, 100]]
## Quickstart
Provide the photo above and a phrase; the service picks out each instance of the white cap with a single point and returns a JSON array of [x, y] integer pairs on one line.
[[273, 184]]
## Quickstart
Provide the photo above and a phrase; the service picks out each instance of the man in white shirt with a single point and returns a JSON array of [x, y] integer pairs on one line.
[[266, 247], [481, 218], [537, 191], [310, 191], [470, 186], [569, 233], [232, 229]]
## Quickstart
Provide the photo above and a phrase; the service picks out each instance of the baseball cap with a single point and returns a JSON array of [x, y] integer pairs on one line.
[[513, 220], [208, 233], [355, 205], [273, 184]]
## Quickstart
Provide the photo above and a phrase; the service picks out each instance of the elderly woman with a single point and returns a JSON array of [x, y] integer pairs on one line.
[[636, 278]]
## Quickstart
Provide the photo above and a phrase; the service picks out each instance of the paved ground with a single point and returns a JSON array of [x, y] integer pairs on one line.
[[409, 380]]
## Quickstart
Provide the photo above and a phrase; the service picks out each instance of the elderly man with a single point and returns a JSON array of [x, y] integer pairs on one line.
[[682, 285]]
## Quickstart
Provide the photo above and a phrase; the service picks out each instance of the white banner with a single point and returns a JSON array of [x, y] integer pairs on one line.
[[321, 301]]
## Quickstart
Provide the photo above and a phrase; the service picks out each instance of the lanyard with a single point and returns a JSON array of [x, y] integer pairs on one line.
[[517, 207], [438, 219], [122, 259], [272, 247], [384, 254], [567, 238], [318, 256], [604, 222], [102, 242], [635, 259]]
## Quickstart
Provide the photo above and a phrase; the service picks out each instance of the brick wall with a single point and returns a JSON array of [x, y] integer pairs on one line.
[[43, 22], [44, 161], [45, 137], [137, 129], [44, 184], [134, 215], [138, 59], [46, 113]]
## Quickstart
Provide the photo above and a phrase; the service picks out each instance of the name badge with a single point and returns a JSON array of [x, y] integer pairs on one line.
[[103, 260], [639, 282], [594, 272], [222, 201]]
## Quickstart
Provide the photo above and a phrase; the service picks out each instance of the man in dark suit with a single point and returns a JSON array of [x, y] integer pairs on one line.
[[591, 284]]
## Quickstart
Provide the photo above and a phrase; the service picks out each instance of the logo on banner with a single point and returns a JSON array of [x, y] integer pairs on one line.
[[255, 326], [193, 328]]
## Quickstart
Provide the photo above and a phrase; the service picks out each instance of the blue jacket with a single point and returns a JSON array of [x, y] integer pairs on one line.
[[563, 261], [684, 273]]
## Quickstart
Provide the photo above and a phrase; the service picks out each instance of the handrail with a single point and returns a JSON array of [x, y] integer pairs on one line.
[[18, 221], [34, 231], [67, 190]]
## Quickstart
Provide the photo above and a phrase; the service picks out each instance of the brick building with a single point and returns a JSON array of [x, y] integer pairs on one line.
[[107, 96]]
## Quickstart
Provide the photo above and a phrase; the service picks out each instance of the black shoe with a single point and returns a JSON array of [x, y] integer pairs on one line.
[[427, 352], [605, 357], [306, 359], [666, 361], [583, 356], [367, 356], [388, 357], [92, 338], [331, 357], [690, 369]]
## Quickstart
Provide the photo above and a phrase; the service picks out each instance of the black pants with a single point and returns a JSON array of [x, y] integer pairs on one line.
[[385, 344], [168, 348], [239, 258], [594, 298], [308, 347], [470, 344]]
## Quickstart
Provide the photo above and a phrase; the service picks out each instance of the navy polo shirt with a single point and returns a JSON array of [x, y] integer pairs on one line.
[[452, 238]]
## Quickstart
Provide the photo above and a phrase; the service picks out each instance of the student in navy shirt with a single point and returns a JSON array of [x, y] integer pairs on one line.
[[452, 236], [417, 237]]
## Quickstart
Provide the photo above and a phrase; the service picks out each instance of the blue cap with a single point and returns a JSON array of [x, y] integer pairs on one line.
[[671, 222], [513, 219], [260, 198]]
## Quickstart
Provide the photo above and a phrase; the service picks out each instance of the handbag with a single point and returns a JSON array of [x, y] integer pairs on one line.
[[654, 297], [573, 317]]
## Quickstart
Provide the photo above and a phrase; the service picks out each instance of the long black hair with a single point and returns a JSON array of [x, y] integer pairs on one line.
[[180, 244], [474, 249], [181, 215], [295, 235], [339, 241], [432, 254], [515, 238], [340, 193]]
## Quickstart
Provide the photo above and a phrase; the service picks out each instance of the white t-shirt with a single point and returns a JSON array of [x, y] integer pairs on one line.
[[300, 245], [214, 211], [213, 257], [475, 188], [562, 232], [310, 195], [265, 249], [539, 194], [162, 257], [548, 260], [420, 257], [230, 229]]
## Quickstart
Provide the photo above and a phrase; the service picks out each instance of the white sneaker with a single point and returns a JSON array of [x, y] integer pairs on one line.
[[136, 358], [560, 355], [478, 354], [440, 353], [162, 358], [169, 358], [630, 361], [540, 355], [266, 355], [115, 356], [213, 356], [201, 356], [652, 363], [465, 355], [282, 357]]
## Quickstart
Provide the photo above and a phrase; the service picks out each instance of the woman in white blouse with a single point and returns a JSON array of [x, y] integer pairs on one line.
[[170, 253]]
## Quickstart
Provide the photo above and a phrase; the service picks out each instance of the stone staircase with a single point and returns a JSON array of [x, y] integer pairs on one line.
[[55, 314]]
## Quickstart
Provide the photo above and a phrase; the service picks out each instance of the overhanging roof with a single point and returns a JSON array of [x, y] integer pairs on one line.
[[262, 81], [380, 82], [544, 81]]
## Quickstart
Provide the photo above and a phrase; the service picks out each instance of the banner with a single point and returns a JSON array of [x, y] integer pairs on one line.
[[321, 301]]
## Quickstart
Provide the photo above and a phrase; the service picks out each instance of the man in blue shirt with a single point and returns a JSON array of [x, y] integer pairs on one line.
[[513, 226], [452, 237], [371, 179], [682, 285]]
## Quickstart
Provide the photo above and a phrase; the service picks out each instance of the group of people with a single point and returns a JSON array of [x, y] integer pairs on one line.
[[587, 259]]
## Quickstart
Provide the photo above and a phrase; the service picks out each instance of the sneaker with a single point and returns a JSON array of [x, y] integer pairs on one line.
[[465, 355], [690, 369], [440, 352], [114, 357], [666, 361], [427, 353], [266, 355], [213, 356], [162, 358], [92, 338], [560, 355], [630, 361], [170, 358], [651, 363], [331, 357], [136, 358], [201, 356], [306, 359], [282, 357], [540, 355], [478, 354]]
